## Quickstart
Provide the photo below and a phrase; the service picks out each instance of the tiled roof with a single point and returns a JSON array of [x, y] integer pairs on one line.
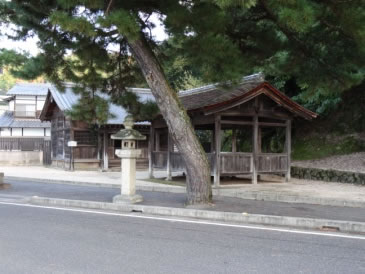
[[65, 100], [206, 97], [214, 94], [36, 89], [7, 120]]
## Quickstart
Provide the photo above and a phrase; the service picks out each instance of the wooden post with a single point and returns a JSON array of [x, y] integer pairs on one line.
[[105, 152], [234, 140], [259, 141], [255, 149], [168, 164], [217, 134], [212, 143], [99, 146], [157, 134], [288, 149], [150, 151]]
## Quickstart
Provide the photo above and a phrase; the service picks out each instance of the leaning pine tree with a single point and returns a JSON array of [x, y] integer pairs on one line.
[[319, 44], [89, 28]]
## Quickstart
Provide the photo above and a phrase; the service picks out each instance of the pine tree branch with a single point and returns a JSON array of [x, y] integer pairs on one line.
[[108, 7], [301, 44]]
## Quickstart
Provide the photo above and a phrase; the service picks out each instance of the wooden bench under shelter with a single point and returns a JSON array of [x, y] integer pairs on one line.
[[253, 104]]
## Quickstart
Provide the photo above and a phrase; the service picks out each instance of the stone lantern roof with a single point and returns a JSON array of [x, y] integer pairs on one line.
[[128, 133]]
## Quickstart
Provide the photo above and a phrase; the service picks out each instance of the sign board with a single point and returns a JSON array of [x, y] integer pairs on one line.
[[72, 143]]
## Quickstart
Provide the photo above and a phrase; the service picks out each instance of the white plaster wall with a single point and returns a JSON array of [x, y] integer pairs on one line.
[[3, 108], [11, 106], [40, 103], [16, 132], [5, 132], [33, 132], [48, 132], [29, 99]]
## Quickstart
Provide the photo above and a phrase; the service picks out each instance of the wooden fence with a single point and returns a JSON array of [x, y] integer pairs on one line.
[[21, 144]]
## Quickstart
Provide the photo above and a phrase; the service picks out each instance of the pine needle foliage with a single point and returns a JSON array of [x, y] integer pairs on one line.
[[316, 45]]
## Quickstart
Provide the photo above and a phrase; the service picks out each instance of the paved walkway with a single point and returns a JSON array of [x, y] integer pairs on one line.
[[109, 178], [303, 191], [297, 188], [21, 189]]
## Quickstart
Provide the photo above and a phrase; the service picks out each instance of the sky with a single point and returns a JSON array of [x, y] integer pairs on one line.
[[30, 45]]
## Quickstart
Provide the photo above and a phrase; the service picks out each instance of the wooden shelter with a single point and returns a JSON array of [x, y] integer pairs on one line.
[[95, 148], [254, 105]]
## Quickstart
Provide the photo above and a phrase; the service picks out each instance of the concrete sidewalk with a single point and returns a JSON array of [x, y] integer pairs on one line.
[[109, 178], [173, 204], [296, 191]]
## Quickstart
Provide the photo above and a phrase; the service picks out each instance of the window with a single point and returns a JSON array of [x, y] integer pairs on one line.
[[85, 138], [22, 110]]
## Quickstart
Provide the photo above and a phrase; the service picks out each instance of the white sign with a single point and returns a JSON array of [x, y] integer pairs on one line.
[[72, 143]]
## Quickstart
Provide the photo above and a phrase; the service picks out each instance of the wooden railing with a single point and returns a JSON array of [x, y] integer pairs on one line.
[[231, 162], [272, 162], [21, 144], [236, 162]]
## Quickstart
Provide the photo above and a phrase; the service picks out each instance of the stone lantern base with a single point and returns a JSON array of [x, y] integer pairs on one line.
[[127, 199], [2, 184]]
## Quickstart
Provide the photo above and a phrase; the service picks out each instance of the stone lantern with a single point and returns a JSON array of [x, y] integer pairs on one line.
[[128, 153]]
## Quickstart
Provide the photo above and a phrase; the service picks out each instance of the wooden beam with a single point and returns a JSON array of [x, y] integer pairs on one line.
[[269, 124], [159, 123], [105, 152], [217, 166], [288, 149], [202, 120], [230, 122], [168, 164], [151, 141]]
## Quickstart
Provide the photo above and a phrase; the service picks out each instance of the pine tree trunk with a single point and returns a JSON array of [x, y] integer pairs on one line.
[[198, 182]]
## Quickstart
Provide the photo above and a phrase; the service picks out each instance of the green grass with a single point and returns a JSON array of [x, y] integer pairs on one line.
[[321, 147]]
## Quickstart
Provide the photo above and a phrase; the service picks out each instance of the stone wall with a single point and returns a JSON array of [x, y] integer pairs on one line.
[[19, 158], [328, 175]]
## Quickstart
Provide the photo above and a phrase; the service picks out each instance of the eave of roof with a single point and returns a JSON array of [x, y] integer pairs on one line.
[[267, 89], [7, 120], [33, 89], [209, 98], [65, 100]]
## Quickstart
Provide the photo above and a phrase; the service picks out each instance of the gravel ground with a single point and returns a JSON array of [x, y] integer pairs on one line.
[[352, 162]]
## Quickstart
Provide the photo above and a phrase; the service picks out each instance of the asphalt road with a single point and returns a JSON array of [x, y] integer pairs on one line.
[[44, 240]]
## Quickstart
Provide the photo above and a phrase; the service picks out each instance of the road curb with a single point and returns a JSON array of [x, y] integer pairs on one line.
[[299, 222]]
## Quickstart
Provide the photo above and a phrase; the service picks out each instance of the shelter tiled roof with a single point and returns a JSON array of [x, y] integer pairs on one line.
[[215, 98], [213, 94], [7, 120]]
